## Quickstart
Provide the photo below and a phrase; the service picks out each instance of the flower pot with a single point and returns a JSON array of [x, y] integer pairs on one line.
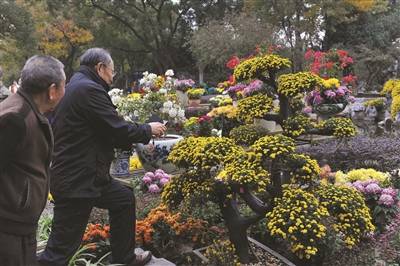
[[182, 98], [273, 257], [326, 111], [194, 102], [155, 156], [120, 165]]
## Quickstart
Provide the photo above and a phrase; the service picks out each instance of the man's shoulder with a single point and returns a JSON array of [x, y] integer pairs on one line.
[[14, 105], [82, 85]]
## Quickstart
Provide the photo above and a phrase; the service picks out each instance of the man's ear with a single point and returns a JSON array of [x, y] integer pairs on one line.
[[98, 67], [52, 93]]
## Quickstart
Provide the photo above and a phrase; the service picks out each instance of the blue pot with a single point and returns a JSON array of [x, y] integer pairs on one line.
[[120, 165], [156, 157]]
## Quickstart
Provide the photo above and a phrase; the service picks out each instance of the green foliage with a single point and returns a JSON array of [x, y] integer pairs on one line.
[[44, 227]]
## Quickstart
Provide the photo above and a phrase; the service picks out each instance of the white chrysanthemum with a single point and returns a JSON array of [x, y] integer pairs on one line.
[[168, 104], [163, 91], [172, 113], [181, 113], [151, 76], [169, 72], [116, 99]]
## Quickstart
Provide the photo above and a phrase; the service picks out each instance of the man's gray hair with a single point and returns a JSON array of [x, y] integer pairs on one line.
[[93, 56], [40, 72]]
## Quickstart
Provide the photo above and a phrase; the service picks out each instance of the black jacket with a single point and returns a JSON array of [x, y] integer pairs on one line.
[[86, 129], [26, 143]]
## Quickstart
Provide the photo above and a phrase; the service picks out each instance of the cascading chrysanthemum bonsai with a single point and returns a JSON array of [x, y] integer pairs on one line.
[[269, 176]]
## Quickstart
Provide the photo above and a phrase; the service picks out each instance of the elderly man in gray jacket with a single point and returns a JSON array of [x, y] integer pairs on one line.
[[26, 144]]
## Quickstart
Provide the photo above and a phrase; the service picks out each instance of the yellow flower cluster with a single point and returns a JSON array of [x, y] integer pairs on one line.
[[222, 253], [246, 135], [297, 125], [292, 84], [347, 206], [256, 106], [172, 192], [259, 67], [245, 168], [220, 100], [228, 111], [202, 152], [273, 147], [395, 108], [375, 102], [339, 127], [195, 93], [303, 169], [134, 163], [331, 83], [185, 150], [297, 217], [160, 82], [391, 86], [134, 95], [362, 174], [191, 122]]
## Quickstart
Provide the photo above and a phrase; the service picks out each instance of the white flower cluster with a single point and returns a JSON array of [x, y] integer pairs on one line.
[[169, 81], [173, 112], [115, 95], [148, 81]]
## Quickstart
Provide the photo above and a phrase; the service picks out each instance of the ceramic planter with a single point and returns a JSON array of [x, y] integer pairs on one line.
[[155, 156], [326, 111], [120, 165]]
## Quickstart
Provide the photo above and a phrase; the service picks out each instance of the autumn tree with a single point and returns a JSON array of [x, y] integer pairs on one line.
[[17, 39], [63, 39]]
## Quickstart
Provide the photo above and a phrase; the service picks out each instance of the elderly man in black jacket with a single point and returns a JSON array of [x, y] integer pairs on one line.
[[87, 128], [26, 144]]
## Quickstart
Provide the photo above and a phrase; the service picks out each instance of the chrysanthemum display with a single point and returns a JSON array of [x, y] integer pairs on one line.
[[259, 66], [245, 168], [292, 84], [274, 147], [352, 216], [246, 135], [256, 106], [297, 218], [339, 127]]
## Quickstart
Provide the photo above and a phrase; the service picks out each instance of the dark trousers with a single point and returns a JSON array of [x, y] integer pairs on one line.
[[17, 250], [70, 221]]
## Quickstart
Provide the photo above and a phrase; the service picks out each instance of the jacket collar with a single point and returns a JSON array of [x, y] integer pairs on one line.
[[92, 75], [33, 105]]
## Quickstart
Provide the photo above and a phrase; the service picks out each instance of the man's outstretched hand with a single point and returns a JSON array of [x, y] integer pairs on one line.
[[157, 129]]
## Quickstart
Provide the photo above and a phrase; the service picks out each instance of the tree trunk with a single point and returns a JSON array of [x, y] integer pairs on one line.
[[201, 74], [237, 229]]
